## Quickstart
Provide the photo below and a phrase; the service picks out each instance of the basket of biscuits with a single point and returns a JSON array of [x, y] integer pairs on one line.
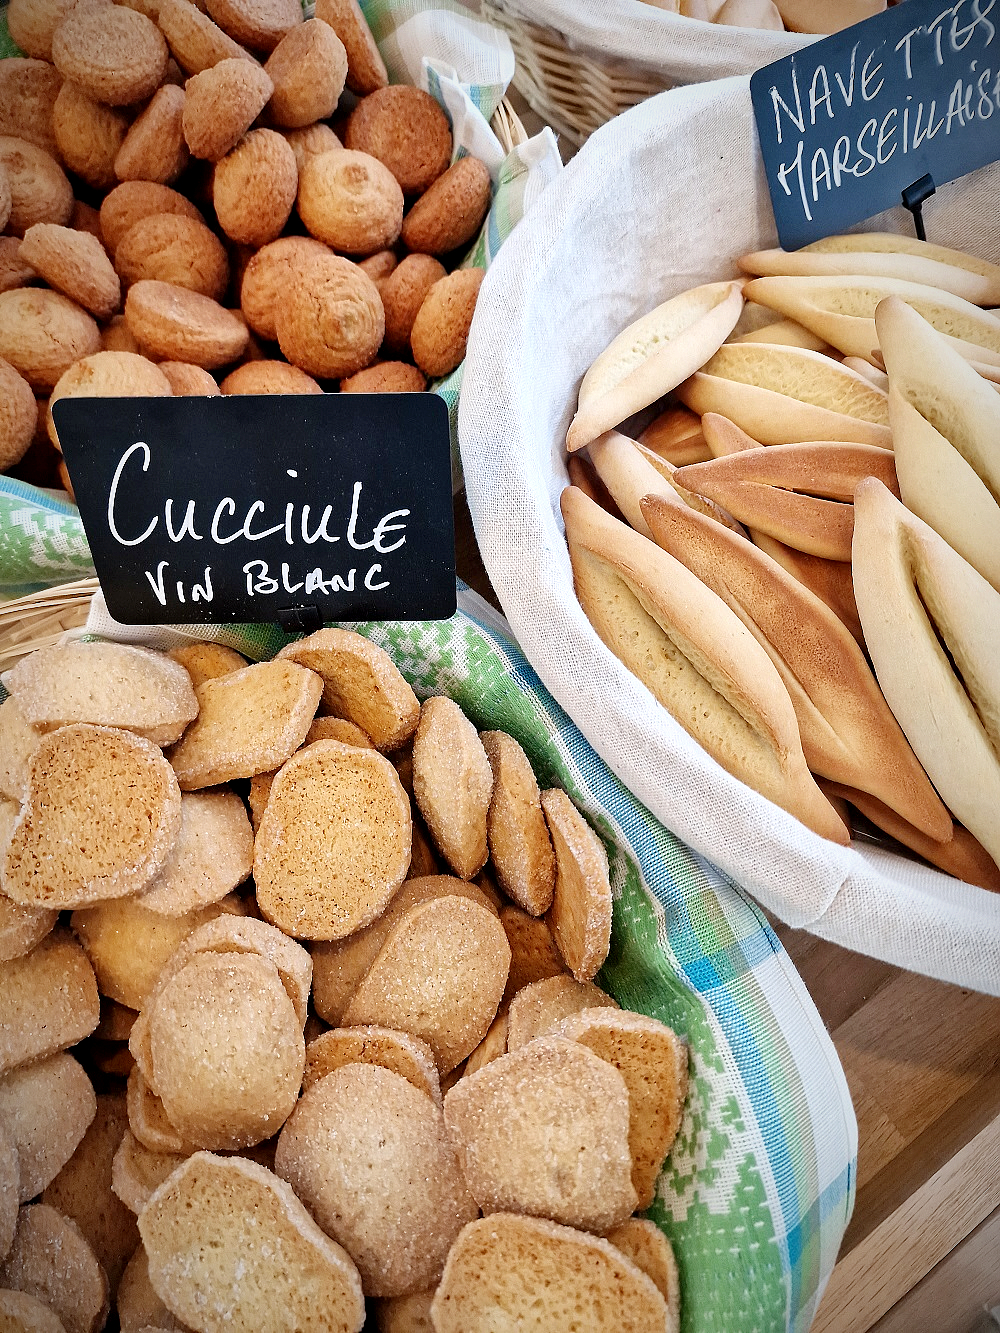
[[342, 981], [769, 596]]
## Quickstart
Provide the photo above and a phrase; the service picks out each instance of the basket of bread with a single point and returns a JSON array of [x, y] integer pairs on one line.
[[751, 486], [341, 981]]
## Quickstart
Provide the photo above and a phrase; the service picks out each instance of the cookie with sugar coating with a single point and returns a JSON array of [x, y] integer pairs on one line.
[[518, 838], [74, 263], [51, 1259], [213, 854], [46, 1108], [452, 784], [540, 1005], [27, 1314], [203, 660], [21, 927], [194, 1233], [139, 1307], [136, 1171], [407, 1056], [534, 955], [580, 915], [9, 1180], [645, 1244]]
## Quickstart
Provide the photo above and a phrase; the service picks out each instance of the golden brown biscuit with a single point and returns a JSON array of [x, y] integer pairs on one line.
[[268, 276], [220, 105], [403, 293], [195, 41], [254, 188], [21, 928], [308, 68], [188, 381], [39, 190], [331, 323], [116, 55], [212, 856], [263, 377], [311, 142], [51, 1001], [136, 1171], [518, 838], [441, 328], [541, 1005], [452, 210], [180, 325], [51, 1259], [108, 375], [46, 1108], [74, 263], [534, 956], [203, 660], [18, 416], [28, 91], [18, 742], [404, 1055], [407, 131], [169, 248], [405, 1314], [258, 24], [116, 337], [350, 201], [88, 135], [6, 200], [379, 265], [14, 272], [86, 218], [365, 67], [132, 200], [42, 333], [155, 148], [386, 377], [580, 915], [139, 1307], [452, 784], [31, 23], [28, 1314]]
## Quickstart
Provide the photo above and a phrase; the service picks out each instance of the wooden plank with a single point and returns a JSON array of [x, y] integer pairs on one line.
[[955, 1294], [881, 1269]]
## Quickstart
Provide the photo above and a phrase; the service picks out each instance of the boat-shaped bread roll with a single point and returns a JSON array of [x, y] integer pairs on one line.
[[932, 626], [696, 658]]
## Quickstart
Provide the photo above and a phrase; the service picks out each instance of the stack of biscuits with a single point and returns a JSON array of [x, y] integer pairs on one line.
[[231, 201], [300, 1010]]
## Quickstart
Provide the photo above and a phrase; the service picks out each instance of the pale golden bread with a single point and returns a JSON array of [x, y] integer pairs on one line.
[[533, 952], [136, 1171]]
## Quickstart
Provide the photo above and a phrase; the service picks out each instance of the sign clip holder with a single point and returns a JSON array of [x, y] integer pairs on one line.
[[299, 619], [914, 197]]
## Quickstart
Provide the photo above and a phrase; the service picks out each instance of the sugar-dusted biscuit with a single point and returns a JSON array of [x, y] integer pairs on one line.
[[350, 201], [136, 1171], [311, 141], [39, 188], [533, 952], [175, 324], [22, 1313], [204, 660], [139, 1307], [195, 42], [441, 329], [50, 1001], [308, 68], [544, 1130], [519, 843], [452, 210], [360, 683], [220, 105], [213, 854], [28, 90], [88, 135], [174, 249], [31, 24], [74, 263], [540, 1005], [645, 1244], [369, 1156], [21, 928], [258, 24], [254, 188], [154, 149], [407, 1056], [506, 1271], [115, 54], [132, 200], [18, 416], [128, 945], [331, 321], [105, 684], [406, 129], [365, 67], [46, 1108], [249, 721], [452, 783], [268, 276], [119, 375], [339, 965], [82, 1190], [9, 1191], [492, 1046], [338, 729], [439, 975], [148, 1121], [351, 844], [42, 333], [51, 1260], [386, 377], [194, 1230], [580, 915], [405, 1314], [654, 1064]]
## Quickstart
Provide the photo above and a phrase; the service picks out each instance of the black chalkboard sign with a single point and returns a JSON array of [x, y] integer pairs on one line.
[[262, 509], [848, 124]]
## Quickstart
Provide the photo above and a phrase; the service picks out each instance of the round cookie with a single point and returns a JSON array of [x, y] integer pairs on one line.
[[386, 377], [28, 90], [132, 200], [308, 68], [452, 210], [14, 272], [116, 336], [180, 325], [39, 189], [441, 328], [311, 141], [365, 67], [379, 265], [350, 201], [188, 381], [332, 322], [108, 375], [31, 24], [221, 104], [258, 24], [86, 218], [266, 377], [171, 248], [407, 131], [18, 416], [6, 200], [42, 333], [254, 188], [267, 277], [74, 263], [195, 41], [154, 148], [88, 135], [403, 293], [115, 54]]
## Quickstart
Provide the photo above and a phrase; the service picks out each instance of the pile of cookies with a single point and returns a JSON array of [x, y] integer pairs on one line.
[[230, 201], [301, 1014]]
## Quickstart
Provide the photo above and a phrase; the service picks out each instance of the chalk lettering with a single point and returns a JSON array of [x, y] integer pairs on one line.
[[984, 105], [848, 93], [289, 587], [867, 75], [779, 104], [819, 98], [786, 170], [885, 133], [375, 587], [202, 592], [159, 591], [261, 581], [187, 526], [936, 27], [958, 105], [820, 172], [113, 495]]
